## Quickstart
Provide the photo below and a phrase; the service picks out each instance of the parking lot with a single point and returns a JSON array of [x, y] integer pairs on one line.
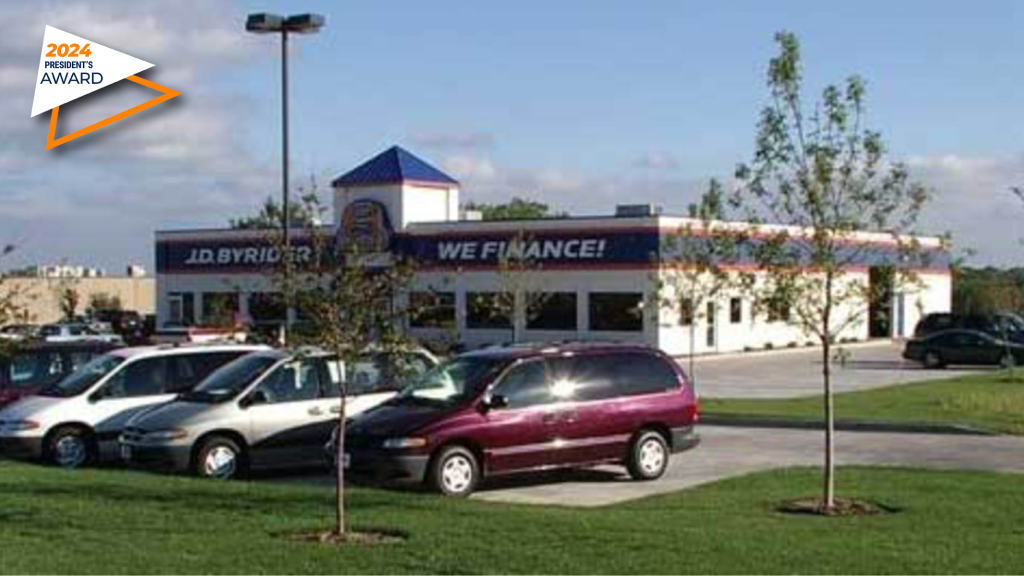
[[729, 451], [792, 373]]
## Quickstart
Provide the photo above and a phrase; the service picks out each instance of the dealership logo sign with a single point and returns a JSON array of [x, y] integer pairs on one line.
[[71, 67]]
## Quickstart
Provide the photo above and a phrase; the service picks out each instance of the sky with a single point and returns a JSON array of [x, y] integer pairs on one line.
[[579, 104]]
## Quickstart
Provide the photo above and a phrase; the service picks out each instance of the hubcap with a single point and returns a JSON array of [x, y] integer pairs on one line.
[[220, 462], [652, 457], [457, 474], [70, 451]]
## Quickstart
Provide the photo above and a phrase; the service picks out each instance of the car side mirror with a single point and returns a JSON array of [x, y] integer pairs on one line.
[[496, 402], [255, 399], [100, 394]]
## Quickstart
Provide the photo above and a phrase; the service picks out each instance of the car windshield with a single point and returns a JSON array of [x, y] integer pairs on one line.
[[453, 382], [82, 379], [231, 379]]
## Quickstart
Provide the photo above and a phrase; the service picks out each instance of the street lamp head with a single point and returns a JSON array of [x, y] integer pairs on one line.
[[304, 23], [264, 23]]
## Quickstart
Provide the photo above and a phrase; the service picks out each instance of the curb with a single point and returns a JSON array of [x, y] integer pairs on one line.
[[751, 421]]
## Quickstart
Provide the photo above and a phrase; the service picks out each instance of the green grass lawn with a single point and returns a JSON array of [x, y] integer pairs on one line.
[[991, 401], [108, 521]]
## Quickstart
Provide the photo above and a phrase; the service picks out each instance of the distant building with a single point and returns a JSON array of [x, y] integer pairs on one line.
[[39, 290], [66, 271]]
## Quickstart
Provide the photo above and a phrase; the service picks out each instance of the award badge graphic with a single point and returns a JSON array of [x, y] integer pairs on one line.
[[71, 67]]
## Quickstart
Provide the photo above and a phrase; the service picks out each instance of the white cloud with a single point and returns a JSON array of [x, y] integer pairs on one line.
[[576, 191], [972, 199], [98, 199], [454, 140], [657, 161]]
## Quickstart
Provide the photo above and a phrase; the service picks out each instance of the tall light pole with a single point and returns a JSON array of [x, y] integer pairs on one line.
[[264, 23]]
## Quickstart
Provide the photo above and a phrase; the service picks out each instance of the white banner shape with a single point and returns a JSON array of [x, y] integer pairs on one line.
[[63, 78]]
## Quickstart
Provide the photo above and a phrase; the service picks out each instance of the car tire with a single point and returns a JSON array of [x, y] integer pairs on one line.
[[71, 447], [455, 472], [219, 458], [933, 360], [648, 456]]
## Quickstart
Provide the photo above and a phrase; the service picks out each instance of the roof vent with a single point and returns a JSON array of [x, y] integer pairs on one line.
[[637, 210]]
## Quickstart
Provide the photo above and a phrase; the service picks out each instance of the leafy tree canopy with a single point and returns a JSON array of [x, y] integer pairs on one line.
[[517, 209]]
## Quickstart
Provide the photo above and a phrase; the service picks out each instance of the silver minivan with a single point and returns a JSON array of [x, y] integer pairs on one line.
[[270, 409]]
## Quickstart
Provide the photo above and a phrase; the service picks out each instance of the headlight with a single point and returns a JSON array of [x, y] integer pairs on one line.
[[169, 434], [405, 443], [18, 425]]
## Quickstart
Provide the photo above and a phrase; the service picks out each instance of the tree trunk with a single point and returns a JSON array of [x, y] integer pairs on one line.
[[339, 463], [826, 372], [693, 334]]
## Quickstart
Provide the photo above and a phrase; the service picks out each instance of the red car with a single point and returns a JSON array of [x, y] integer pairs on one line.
[[36, 365], [520, 408]]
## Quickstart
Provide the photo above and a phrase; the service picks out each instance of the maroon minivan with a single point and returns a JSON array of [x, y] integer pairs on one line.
[[532, 407]]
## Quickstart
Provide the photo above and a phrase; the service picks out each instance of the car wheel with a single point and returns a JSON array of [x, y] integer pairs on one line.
[[220, 458], [932, 359], [455, 472], [648, 456], [71, 447], [1008, 361]]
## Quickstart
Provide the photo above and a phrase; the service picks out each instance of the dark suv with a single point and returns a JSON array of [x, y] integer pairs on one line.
[[1002, 325], [512, 409]]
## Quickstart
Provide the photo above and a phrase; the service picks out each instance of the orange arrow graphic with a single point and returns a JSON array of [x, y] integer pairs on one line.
[[166, 92]]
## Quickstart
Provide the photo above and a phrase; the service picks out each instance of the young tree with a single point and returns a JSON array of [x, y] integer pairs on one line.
[[519, 295], [68, 297], [823, 177], [349, 300], [104, 301], [696, 261], [13, 296]]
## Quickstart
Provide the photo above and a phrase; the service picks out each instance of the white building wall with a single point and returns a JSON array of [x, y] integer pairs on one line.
[[929, 292]]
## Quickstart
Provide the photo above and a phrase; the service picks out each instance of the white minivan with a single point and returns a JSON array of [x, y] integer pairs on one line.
[[272, 409], [77, 421]]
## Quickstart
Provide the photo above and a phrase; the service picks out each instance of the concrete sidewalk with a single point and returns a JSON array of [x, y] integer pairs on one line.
[[731, 451]]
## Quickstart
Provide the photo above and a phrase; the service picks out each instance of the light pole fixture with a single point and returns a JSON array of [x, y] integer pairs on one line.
[[265, 23]]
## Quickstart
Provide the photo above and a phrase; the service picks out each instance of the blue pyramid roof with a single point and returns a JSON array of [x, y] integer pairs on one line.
[[390, 166]]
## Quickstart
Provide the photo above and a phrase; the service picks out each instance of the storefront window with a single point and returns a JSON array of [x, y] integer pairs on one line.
[[616, 311], [686, 312], [181, 309], [220, 308], [551, 311], [486, 310], [735, 310], [266, 308], [432, 310]]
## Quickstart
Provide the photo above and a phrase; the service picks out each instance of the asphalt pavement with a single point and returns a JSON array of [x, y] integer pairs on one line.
[[797, 372], [731, 451]]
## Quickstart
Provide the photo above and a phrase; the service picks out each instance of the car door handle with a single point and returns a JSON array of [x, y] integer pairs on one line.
[[317, 411], [549, 418], [335, 409]]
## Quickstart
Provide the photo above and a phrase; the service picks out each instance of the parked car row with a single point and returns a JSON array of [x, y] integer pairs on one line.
[[33, 366], [220, 410]]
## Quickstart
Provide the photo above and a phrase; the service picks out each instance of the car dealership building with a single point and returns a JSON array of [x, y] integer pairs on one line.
[[597, 274]]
